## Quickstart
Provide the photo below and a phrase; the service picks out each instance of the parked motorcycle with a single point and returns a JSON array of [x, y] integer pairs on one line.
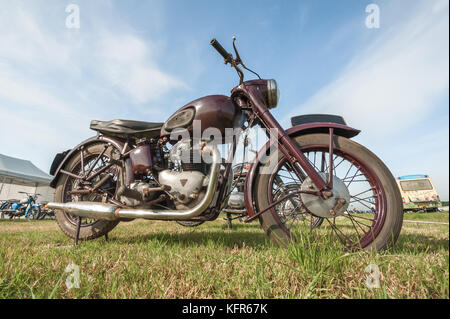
[[5, 206], [173, 171], [26, 207], [46, 213]]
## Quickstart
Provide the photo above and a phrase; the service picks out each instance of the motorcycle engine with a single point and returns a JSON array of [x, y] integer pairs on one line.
[[236, 200], [134, 195], [188, 177]]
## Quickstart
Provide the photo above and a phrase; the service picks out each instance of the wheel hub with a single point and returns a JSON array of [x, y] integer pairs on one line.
[[291, 208], [331, 207]]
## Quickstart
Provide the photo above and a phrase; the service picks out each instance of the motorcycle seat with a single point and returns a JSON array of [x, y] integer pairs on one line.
[[127, 128]]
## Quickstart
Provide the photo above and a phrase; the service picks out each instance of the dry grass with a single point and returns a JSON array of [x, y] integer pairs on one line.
[[149, 259]]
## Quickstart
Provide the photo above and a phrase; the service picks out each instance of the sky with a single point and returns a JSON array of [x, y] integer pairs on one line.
[[142, 60]]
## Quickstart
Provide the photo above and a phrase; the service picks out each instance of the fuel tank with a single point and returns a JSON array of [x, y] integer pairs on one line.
[[213, 111]]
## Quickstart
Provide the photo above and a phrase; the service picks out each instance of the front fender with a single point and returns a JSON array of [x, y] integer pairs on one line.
[[303, 129], [116, 143]]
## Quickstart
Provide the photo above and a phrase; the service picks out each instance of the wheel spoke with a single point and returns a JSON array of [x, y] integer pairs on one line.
[[370, 189], [344, 179], [97, 159], [352, 179], [362, 199], [360, 202], [90, 167], [358, 222], [82, 161], [347, 172], [356, 216], [354, 225], [291, 178], [337, 231], [338, 163], [314, 163], [352, 230], [323, 163]]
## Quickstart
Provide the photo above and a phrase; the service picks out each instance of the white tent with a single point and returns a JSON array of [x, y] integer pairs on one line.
[[18, 175]]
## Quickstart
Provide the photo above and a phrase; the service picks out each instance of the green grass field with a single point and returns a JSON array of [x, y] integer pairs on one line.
[[151, 259]]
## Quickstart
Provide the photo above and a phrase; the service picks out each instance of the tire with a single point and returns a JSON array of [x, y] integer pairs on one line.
[[66, 222], [387, 231], [33, 213], [187, 223], [42, 214]]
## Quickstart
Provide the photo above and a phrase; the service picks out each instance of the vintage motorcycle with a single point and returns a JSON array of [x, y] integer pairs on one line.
[[26, 207], [308, 174]]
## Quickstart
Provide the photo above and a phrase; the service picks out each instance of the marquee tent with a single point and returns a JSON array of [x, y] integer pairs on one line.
[[18, 175]]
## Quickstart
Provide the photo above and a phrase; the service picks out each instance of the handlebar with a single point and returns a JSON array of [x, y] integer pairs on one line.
[[234, 62], [29, 194], [220, 49]]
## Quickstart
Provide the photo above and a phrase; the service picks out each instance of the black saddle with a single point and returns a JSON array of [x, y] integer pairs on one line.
[[127, 128], [311, 118]]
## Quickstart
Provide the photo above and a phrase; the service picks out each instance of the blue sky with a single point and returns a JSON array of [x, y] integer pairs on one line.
[[144, 59]]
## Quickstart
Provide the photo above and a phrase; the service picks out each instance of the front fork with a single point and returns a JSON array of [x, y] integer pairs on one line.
[[292, 152], [299, 161]]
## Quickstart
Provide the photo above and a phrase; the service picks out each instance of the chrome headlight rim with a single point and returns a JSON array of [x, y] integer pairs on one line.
[[273, 94]]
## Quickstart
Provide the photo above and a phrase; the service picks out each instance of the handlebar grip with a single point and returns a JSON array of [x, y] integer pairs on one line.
[[220, 49]]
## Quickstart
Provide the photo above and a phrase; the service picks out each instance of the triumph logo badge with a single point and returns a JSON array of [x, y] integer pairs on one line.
[[183, 182]]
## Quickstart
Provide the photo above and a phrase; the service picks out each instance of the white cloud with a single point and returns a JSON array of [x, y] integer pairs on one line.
[[398, 77], [53, 80], [126, 63], [427, 154], [26, 42], [391, 86]]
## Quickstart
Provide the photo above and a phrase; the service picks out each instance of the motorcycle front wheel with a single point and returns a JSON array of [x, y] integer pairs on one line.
[[374, 216], [33, 213]]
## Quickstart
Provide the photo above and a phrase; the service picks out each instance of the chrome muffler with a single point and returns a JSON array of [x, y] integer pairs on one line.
[[87, 209], [112, 212]]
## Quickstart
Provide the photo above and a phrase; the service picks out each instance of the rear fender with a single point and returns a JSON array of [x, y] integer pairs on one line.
[[303, 129], [99, 138]]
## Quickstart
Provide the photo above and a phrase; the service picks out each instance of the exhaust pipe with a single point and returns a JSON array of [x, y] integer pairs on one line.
[[87, 209], [112, 212]]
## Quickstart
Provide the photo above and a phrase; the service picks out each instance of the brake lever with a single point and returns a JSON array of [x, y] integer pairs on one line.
[[238, 57], [239, 61]]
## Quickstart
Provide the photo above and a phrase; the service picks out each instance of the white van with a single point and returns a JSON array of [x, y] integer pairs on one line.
[[418, 193]]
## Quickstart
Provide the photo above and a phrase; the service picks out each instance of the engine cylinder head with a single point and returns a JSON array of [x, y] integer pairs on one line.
[[194, 163]]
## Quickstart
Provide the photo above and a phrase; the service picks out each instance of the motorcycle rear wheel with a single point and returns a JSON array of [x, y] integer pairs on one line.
[[356, 231], [90, 228], [187, 223]]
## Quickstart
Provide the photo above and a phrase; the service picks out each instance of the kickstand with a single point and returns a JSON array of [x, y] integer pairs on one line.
[[77, 234], [106, 237], [229, 221]]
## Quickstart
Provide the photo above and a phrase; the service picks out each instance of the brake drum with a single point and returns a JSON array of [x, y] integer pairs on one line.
[[325, 207]]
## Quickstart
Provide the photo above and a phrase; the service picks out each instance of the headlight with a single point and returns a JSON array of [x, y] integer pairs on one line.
[[273, 94]]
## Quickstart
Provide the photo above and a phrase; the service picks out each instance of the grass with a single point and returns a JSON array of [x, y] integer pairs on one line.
[[152, 259]]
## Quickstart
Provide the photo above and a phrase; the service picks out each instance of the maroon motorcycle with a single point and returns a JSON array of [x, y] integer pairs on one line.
[[307, 176]]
